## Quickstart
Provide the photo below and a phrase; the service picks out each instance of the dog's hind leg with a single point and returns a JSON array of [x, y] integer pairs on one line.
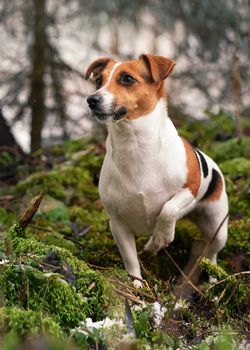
[[208, 220]]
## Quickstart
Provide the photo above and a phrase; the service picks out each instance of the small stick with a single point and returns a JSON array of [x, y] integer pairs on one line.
[[183, 274], [28, 214], [40, 228], [228, 277], [143, 267], [133, 288], [129, 296]]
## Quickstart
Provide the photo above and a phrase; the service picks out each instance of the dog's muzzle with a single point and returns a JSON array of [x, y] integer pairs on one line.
[[103, 110], [94, 100]]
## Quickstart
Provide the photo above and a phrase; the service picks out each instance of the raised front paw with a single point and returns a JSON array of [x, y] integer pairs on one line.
[[158, 241]]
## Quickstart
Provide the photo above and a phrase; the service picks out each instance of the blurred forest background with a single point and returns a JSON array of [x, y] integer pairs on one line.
[[47, 45], [61, 273]]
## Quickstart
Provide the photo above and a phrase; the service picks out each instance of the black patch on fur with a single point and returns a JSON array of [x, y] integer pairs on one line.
[[203, 163], [212, 184], [118, 114]]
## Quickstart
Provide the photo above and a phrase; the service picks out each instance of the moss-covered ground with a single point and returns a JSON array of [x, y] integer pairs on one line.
[[63, 275]]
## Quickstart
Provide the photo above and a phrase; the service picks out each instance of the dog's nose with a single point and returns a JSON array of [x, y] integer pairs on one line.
[[93, 100]]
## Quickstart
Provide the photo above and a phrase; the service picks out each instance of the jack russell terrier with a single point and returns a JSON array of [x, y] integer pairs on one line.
[[151, 177]]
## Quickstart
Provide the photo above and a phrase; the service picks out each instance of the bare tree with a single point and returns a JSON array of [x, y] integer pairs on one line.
[[39, 60]]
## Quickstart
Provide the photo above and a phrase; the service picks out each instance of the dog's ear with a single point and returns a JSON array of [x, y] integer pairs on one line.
[[160, 67], [97, 66]]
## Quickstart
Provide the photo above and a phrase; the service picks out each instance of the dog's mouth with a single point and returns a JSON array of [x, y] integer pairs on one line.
[[115, 115]]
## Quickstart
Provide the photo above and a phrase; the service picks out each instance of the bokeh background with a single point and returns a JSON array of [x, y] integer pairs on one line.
[[47, 45], [61, 274]]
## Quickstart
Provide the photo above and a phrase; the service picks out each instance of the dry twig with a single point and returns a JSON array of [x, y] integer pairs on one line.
[[31, 210]]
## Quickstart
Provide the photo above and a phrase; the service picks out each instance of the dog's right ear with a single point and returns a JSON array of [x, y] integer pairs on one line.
[[159, 66], [97, 66]]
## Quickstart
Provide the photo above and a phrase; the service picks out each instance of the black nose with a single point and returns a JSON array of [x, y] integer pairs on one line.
[[93, 100]]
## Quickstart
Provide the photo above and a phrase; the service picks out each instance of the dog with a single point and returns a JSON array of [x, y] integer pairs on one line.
[[151, 177]]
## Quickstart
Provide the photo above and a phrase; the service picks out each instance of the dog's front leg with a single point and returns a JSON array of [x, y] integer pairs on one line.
[[127, 247], [178, 206]]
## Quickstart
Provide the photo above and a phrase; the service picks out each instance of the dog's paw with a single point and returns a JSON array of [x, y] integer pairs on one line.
[[138, 284], [157, 242]]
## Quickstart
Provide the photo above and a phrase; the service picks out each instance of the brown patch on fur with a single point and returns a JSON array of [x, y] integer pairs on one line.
[[193, 166], [139, 98]]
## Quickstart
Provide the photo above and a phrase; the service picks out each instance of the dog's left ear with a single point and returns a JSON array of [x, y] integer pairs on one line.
[[97, 66], [159, 66]]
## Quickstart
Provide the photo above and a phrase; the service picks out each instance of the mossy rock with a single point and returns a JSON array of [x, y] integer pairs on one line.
[[28, 322], [48, 293], [89, 296]]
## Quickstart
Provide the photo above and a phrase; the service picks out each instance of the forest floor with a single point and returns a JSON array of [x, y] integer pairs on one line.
[[63, 285]]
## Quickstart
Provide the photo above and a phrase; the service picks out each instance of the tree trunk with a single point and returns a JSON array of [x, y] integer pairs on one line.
[[6, 136], [57, 85], [39, 62]]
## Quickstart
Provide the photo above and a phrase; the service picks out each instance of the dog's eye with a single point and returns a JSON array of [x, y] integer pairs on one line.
[[98, 82], [127, 80]]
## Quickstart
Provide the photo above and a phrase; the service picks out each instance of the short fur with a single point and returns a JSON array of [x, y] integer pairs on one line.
[[151, 177]]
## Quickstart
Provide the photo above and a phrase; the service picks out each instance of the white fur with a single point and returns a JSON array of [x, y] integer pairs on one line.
[[141, 185], [108, 98]]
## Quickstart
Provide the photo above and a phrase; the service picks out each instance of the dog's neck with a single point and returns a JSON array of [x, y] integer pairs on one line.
[[143, 134]]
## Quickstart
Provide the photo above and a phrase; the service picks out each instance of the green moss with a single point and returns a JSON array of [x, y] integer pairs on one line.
[[67, 148], [7, 218], [233, 148], [233, 289], [95, 299], [97, 220], [72, 146], [213, 270], [28, 322], [59, 213], [40, 180], [55, 239], [58, 180], [238, 243], [16, 231], [30, 288], [236, 167], [99, 245], [188, 230]]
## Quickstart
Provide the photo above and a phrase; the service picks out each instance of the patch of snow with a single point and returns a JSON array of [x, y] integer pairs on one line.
[[158, 312], [106, 323]]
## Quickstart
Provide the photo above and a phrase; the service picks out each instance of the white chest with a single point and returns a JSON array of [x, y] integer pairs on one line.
[[137, 199], [143, 168]]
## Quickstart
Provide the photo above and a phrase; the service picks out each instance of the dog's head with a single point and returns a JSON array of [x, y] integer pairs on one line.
[[127, 89]]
